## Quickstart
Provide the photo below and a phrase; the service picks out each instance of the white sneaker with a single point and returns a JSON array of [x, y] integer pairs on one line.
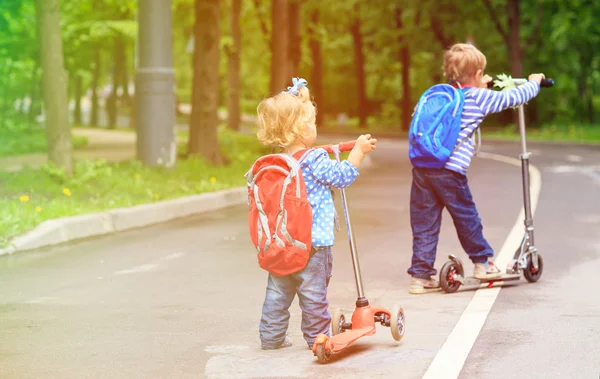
[[487, 270]]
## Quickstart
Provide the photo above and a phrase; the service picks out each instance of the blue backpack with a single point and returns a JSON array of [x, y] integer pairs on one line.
[[435, 126]]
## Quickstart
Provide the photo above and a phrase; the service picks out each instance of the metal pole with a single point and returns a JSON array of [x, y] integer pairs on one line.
[[522, 129], [357, 275], [361, 301], [155, 85], [525, 155]]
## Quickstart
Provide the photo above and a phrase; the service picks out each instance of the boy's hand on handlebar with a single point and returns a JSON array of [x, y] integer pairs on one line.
[[537, 77], [365, 144], [485, 80]]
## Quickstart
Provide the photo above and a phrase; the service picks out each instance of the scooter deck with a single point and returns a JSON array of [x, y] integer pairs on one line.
[[469, 281], [335, 344]]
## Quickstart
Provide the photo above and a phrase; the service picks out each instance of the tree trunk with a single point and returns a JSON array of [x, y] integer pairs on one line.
[[112, 104], [34, 106], [78, 93], [405, 61], [514, 47], [95, 83], [515, 52], [54, 81], [295, 38], [279, 43], [316, 82], [359, 61], [204, 122], [234, 53], [125, 80]]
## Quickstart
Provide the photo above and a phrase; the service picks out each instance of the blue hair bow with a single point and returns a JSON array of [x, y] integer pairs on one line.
[[297, 84]]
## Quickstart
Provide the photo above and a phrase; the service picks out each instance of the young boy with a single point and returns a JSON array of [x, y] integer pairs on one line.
[[434, 189]]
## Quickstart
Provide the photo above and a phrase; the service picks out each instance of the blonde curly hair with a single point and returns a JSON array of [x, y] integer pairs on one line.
[[283, 118], [462, 61]]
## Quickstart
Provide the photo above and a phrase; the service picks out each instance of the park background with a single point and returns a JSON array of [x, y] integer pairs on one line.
[[68, 85]]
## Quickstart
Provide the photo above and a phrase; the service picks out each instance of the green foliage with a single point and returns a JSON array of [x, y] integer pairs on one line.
[[22, 138], [98, 186], [575, 132], [559, 45]]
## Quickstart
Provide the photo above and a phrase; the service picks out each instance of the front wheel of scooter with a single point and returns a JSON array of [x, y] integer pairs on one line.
[[448, 275], [322, 354], [397, 323], [530, 273]]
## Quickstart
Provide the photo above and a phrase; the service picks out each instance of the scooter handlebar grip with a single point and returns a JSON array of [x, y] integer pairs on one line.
[[347, 146], [343, 146], [547, 82]]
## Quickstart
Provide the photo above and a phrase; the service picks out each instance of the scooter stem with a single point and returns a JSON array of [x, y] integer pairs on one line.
[[525, 155], [350, 231]]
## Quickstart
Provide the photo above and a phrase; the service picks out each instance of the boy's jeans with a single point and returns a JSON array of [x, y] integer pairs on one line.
[[432, 190], [311, 286]]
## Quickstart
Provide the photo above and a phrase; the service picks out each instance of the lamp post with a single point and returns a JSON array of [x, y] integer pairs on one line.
[[155, 85]]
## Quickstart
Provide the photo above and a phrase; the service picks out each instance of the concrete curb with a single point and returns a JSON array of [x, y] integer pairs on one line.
[[67, 229], [61, 230]]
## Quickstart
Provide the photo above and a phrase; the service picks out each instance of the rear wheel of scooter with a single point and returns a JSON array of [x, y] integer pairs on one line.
[[337, 322], [397, 323], [530, 273], [447, 281], [322, 354]]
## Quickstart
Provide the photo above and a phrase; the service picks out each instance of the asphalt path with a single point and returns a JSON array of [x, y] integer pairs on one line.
[[183, 299]]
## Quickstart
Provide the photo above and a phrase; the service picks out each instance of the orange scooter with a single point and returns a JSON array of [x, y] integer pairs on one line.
[[364, 316]]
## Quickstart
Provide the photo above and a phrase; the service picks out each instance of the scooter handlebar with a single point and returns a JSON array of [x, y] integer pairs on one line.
[[343, 146], [545, 83], [548, 82]]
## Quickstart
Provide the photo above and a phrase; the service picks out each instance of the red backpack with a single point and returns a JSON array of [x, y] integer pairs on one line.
[[280, 215]]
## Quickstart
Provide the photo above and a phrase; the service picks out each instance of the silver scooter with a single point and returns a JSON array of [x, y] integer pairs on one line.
[[526, 260]]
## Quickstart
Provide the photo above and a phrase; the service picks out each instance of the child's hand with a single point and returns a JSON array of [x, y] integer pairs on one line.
[[365, 143], [537, 77], [485, 80]]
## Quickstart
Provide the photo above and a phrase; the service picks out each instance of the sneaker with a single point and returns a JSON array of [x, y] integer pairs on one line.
[[487, 270], [420, 286], [287, 342]]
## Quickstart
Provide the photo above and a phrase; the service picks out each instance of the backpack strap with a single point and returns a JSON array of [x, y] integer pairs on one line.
[[459, 144], [301, 154]]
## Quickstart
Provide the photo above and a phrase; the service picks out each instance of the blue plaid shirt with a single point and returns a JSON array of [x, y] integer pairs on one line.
[[321, 172]]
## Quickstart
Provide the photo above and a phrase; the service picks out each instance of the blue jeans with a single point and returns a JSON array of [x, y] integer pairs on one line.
[[432, 190], [311, 286]]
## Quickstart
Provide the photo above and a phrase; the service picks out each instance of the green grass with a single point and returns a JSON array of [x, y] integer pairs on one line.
[[553, 132], [29, 197], [29, 141]]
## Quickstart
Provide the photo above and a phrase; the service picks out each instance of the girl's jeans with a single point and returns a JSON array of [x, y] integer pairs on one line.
[[432, 190], [311, 286]]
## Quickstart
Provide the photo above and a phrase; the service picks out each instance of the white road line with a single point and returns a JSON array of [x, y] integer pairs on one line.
[[136, 269], [148, 266], [451, 358]]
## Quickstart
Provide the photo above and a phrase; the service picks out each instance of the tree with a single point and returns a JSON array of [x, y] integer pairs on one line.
[[279, 43], [54, 82], [204, 121], [234, 55], [316, 79], [405, 62], [295, 38], [359, 61]]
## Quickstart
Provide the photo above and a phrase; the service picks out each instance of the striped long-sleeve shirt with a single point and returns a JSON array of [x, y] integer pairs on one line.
[[480, 102]]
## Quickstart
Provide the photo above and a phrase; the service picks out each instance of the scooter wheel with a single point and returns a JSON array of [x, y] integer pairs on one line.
[[530, 273], [322, 354], [397, 323], [337, 322], [447, 281]]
